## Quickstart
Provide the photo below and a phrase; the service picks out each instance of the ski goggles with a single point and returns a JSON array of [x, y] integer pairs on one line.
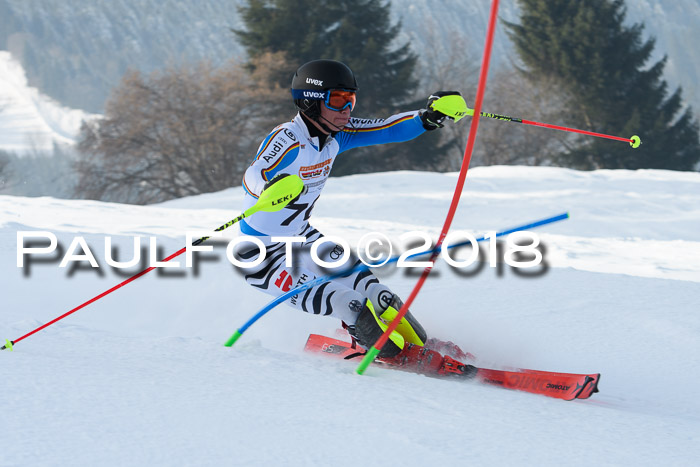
[[335, 99], [339, 99]]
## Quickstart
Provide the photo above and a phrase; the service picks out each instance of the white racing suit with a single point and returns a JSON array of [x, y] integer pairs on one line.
[[289, 149]]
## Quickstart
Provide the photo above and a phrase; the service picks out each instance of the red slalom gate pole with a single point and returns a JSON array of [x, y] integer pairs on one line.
[[273, 199], [10, 344], [374, 350], [634, 141]]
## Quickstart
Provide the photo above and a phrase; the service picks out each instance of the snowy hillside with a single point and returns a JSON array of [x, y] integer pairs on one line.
[[141, 376], [30, 121]]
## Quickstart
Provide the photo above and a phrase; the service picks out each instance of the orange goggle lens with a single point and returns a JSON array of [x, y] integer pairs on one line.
[[339, 100]]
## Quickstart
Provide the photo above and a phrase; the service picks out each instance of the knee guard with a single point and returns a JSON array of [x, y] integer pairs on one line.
[[408, 327], [387, 305]]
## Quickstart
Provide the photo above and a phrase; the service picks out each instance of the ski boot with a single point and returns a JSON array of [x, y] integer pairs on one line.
[[373, 321], [368, 329]]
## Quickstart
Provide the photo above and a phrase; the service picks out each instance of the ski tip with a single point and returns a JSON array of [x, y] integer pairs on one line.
[[595, 384], [590, 387]]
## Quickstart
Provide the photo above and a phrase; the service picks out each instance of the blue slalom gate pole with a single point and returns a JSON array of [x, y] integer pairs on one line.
[[363, 267]]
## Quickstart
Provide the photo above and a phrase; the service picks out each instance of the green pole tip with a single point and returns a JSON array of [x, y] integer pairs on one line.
[[635, 141], [232, 340], [8, 345], [368, 358]]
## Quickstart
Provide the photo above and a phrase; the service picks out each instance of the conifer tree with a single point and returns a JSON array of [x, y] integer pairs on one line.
[[358, 32], [603, 65]]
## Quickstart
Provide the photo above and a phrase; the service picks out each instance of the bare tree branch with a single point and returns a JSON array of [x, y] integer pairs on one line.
[[178, 132]]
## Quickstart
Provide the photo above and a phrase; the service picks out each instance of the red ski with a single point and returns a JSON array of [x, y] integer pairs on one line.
[[332, 347], [567, 386]]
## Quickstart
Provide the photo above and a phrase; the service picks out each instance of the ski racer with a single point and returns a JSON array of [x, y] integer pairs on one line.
[[324, 93]]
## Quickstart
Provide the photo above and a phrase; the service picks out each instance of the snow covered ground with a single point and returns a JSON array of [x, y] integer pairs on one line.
[[29, 120], [141, 376]]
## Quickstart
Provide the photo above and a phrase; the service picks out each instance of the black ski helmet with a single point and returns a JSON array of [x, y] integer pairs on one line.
[[313, 79]]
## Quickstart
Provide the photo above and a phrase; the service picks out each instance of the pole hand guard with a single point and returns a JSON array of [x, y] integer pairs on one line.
[[280, 192], [454, 106]]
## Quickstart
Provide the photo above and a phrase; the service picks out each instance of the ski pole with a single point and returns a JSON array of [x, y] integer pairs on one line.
[[276, 197], [364, 267], [634, 141]]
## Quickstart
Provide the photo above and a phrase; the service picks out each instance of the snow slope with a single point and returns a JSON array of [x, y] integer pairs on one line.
[[30, 121], [141, 376]]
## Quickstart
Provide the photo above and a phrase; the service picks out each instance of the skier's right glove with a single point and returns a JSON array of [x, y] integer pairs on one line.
[[452, 107], [279, 177]]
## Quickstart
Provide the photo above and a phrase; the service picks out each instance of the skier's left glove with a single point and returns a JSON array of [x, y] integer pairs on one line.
[[442, 105], [279, 177]]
